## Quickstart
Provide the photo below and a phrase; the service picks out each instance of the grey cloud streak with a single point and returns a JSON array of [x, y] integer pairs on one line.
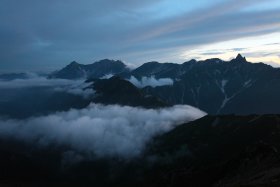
[[208, 28]]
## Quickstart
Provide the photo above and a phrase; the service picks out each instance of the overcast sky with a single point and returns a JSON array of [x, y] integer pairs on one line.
[[46, 35]]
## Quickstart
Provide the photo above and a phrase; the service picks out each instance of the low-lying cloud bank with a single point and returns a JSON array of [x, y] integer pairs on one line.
[[99, 130], [75, 87], [150, 81]]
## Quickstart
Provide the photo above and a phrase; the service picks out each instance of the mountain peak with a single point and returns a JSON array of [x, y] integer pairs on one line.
[[73, 63], [239, 58], [190, 61], [109, 61]]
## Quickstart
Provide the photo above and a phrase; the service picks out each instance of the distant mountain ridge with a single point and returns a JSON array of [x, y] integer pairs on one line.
[[213, 85], [96, 70], [221, 87]]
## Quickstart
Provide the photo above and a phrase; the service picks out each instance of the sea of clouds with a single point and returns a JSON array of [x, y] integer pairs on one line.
[[99, 130]]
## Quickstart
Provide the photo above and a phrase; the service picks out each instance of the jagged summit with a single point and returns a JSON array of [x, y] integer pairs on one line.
[[108, 61], [105, 67], [74, 63], [95, 70], [239, 58]]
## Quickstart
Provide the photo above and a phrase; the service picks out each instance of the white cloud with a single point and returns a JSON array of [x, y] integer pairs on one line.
[[99, 130], [150, 81]]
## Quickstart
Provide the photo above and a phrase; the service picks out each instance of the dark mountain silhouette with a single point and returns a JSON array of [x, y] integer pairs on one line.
[[219, 87], [118, 91], [96, 70], [239, 59], [160, 70], [219, 151]]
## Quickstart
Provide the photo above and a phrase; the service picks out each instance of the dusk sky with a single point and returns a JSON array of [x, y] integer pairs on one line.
[[47, 35]]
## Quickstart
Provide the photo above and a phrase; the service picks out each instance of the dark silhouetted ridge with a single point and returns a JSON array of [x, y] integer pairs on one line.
[[119, 91]]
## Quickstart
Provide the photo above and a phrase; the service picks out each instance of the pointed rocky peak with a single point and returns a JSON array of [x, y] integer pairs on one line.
[[192, 61], [73, 64], [239, 58], [74, 70]]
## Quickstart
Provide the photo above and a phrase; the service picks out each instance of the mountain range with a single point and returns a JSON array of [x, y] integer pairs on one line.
[[96, 70], [213, 85]]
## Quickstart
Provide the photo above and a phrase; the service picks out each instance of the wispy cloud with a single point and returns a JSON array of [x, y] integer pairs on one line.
[[150, 81]]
